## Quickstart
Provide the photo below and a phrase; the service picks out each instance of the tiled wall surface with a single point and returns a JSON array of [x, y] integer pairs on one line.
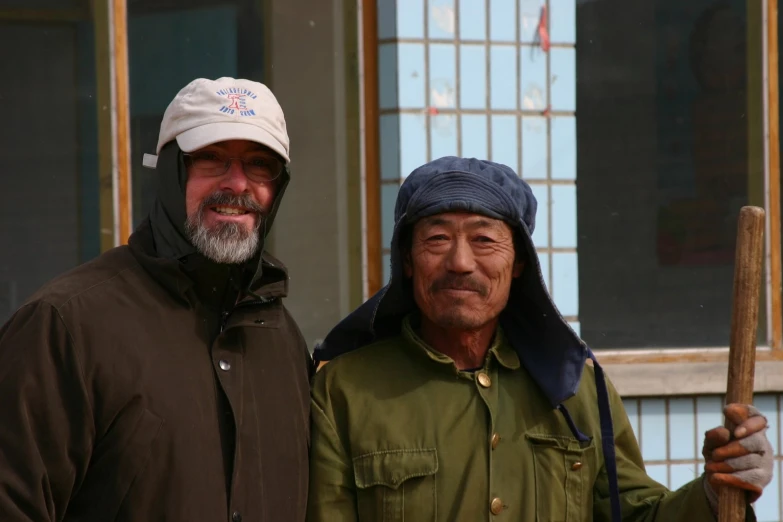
[[671, 432], [471, 78]]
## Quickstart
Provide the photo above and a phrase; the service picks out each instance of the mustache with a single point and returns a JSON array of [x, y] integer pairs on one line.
[[459, 282], [220, 199]]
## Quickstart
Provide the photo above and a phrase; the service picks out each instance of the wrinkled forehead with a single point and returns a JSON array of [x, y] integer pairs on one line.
[[462, 221]]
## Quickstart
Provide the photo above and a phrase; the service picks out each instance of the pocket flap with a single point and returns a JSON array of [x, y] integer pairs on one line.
[[569, 444], [393, 467]]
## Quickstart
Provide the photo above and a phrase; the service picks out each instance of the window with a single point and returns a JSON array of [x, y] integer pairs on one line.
[[669, 147], [58, 204]]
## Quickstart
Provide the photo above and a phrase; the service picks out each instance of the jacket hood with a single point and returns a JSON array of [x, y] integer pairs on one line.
[[548, 347], [168, 217]]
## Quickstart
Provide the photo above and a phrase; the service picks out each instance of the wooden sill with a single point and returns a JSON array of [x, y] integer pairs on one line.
[[686, 355], [657, 373], [668, 373]]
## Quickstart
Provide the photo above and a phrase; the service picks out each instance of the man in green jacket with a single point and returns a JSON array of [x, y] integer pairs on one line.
[[466, 396]]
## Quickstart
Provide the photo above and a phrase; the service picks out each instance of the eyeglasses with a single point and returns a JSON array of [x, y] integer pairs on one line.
[[258, 167]]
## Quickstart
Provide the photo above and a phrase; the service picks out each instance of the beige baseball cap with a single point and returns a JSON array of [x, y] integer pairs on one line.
[[209, 111]]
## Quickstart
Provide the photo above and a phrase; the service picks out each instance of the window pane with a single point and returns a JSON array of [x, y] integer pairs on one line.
[[667, 133], [472, 19], [473, 77], [50, 219], [441, 16], [474, 136], [193, 49]]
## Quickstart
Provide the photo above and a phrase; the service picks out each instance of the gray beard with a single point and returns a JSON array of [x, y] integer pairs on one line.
[[226, 243]]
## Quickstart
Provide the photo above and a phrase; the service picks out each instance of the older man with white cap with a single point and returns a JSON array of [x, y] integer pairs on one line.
[[165, 380]]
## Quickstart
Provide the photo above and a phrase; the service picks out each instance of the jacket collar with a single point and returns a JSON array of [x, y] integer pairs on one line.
[[179, 279], [500, 350]]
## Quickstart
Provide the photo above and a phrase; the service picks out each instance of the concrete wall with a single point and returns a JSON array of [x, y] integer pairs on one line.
[[317, 231]]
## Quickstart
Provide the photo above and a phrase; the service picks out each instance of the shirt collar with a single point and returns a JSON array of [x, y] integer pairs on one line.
[[500, 350]]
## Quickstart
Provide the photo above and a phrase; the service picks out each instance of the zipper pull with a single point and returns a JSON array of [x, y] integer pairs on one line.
[[223, 321]]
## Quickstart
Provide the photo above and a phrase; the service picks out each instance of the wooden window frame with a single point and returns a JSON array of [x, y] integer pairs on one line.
[[634, 372], [372, 148], [118, 21]]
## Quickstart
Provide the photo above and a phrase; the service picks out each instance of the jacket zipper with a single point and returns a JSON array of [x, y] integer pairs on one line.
[[223, 320]]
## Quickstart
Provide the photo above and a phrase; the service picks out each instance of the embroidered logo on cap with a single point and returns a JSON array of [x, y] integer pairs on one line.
[[237, 101]]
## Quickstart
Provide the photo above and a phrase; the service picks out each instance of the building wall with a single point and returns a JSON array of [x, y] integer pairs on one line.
[[670, 431], [317, 231]]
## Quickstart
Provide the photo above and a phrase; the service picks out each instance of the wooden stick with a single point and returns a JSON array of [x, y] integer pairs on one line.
[[748, 265]]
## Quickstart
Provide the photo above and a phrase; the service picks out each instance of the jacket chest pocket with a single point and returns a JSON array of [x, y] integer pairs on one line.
[[397, 485], [565, 469]]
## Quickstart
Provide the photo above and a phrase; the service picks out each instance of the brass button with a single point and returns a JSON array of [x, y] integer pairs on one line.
[[495, 440], [577, 466], [496, 506], [484, 380]]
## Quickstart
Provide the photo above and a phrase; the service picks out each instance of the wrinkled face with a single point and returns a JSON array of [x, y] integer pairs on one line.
[[226, 207], [461, 266]]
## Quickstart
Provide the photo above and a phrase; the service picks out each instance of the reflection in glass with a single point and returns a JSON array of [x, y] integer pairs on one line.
[[564, 147], [502, 20], [563, 216], [410, 60], [533, 85], [665, 118], [541, 232], [49, 170], [562, 78], [503, 77], [443, 75], [473, 76], [505, 143], [473, 133], [390, 146], [472, 19], [443, 135], [413, 142], [534, 147]]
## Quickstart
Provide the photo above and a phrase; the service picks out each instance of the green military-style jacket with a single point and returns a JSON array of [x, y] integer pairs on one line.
[[399, 434]]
